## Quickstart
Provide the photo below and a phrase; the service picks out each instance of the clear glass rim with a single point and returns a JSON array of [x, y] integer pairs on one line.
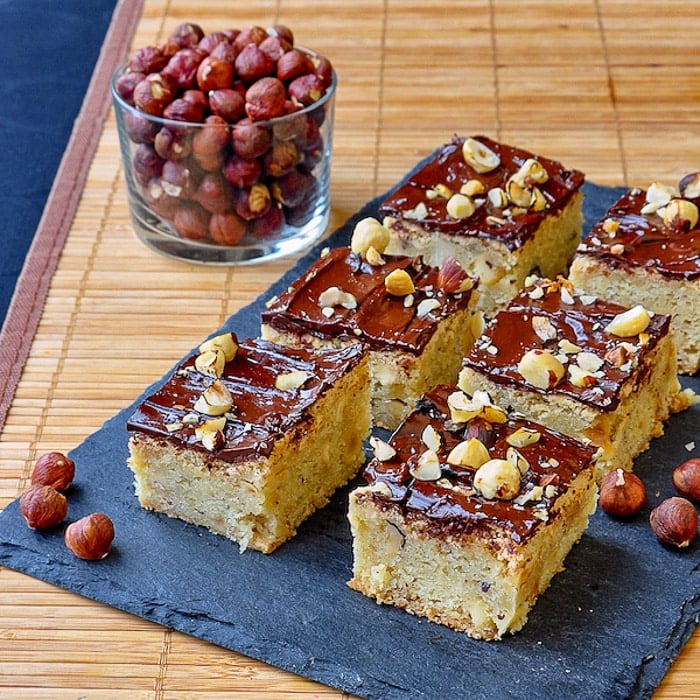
[[125, 106]]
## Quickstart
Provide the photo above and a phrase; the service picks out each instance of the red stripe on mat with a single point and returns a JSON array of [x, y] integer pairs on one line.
[[28, 300]]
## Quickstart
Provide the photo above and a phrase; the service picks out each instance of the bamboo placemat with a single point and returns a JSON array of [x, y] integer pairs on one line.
[[610, 87]]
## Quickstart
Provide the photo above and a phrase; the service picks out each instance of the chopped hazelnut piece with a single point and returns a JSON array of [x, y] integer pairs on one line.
[[225, 342], [399, 283], [459, 206], [473, 187], [543, 328], [431, 438], [383, 451], [215, 400], [469, 453], [452, 278], [291, 380], [523, 437], [498, 479], [369, 233], [427, 306], [630, 322], [334, 296], [210, 433], [680, 213], [540, 368], [426, 467], [211, 362], [479, 156]]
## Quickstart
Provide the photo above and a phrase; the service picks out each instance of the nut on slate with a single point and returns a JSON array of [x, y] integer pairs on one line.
[[686, 479], [53, 469], [90, 537], [675, 522], [399, 283], [622, 494], [43, 507]]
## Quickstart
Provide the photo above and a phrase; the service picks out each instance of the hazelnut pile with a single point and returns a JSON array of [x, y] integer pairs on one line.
[[674, 521], [237, 173], [44, 506]]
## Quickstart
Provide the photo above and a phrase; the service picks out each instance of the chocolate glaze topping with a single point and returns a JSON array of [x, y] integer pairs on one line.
[[261, 413], [451, 505], [644, 241], [380, 319], [583, 322], [449, 168]]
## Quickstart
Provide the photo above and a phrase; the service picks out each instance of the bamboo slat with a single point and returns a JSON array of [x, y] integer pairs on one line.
[[608, 86]]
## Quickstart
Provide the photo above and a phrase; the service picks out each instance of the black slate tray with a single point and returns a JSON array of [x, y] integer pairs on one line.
[[609, 626]]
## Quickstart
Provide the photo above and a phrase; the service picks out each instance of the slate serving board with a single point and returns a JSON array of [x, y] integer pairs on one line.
[[609, 626]]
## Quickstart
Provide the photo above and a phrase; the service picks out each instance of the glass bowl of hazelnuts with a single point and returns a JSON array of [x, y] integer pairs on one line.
[[226, 142]]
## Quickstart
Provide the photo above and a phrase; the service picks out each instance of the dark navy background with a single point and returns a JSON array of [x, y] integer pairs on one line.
[[47, 54]]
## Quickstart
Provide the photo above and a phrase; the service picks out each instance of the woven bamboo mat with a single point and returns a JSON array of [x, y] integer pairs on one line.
[[611, 87]]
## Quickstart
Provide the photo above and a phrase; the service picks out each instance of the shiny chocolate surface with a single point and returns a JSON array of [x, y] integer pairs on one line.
[[381, 320], [581, 321], [644, 241], [449, 168], [261, 413], [450, 504]]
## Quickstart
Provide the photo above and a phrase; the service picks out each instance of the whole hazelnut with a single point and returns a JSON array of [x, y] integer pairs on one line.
[[324, 69], [293, 188], [275, 47], [192, 221], [250, 140], [209, 143], [43, 507], [178, 179], [215, 193], [293, 64], [153, 93], [269, 225], [159, 200], [90, 537], [172, 144], [186, 35], [250, 35], [148, 59], [227, 104], [281, 158], [675, 522], [224, 51], [126, 83], [253, 202], [227, 228], [622, 494], [307, 89], [183, 110], [53, 469], [242, 172], [214, 74], [182, 68], [252, 64], [265, 99], [283, 32], [210, 41], [147, 163], [686, 479]]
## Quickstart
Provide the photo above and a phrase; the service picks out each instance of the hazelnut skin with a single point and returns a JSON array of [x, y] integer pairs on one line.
[[675, 522], [53, 469], [622, 494], [90, 537], [686, 479], [43, 507]]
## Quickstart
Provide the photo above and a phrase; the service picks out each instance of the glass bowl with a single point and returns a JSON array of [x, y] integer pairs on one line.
[[227, 193]]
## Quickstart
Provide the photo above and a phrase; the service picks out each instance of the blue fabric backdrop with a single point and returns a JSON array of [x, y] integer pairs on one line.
[[47, 55]]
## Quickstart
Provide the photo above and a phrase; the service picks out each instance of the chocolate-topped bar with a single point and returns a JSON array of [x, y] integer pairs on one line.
[[646, 249], [468, 513], [416, 320], [502, 212], [590, 368], [248, 439]]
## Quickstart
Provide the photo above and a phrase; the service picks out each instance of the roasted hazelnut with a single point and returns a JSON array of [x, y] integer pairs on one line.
[[283, 32], [281, 158], [182, 110], [307, 89], [214, 74], [250, 35], [140, 129], [293, 188], [293, 64], [53, 469], [242, 172], [214, 193], [227, 228], [178, 179], [675, 522], [250, 140], [153, 93], [126, 83], [210, 41], [252, 64], [159, 200], [275, 47], [686, 479], [147, 163], [228, 104], [172, 144], [191, 221], [269, 225], [182, 68], [43, 507], [622, 494], [225, 51], [265, 99], [209, 142], [186, 35], [149, 59], [253, 202], [323, 69], [90, 537], [198, 97]]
